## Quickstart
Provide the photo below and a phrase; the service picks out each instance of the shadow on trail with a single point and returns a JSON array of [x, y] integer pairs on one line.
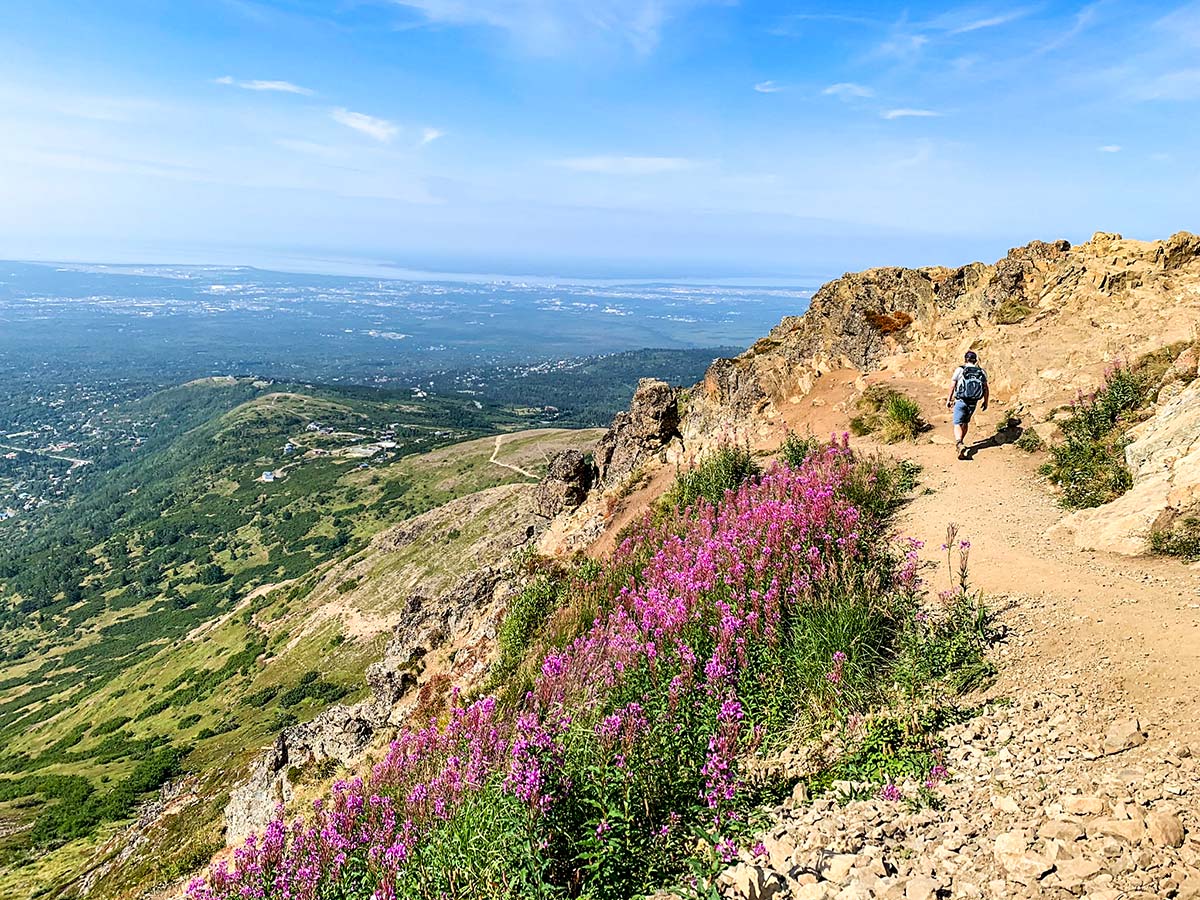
[[1009, 434]]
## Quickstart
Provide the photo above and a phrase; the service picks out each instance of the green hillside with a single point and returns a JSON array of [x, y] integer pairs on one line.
[[162, 621]]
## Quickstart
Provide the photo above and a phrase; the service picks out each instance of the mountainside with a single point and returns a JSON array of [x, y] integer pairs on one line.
[[192, 601], [661, 667]]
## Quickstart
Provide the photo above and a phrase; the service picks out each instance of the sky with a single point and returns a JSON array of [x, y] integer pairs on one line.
[[704, 138]]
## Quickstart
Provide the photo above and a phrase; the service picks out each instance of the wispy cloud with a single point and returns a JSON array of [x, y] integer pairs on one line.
[[794, 25], [282, 87], [848, 90], [972, 23], [902, 44], [626, 165], [553, 27], [429, 135], [1110, 148], [768, 87], [906, 113], [1080, 22], [379, 129]]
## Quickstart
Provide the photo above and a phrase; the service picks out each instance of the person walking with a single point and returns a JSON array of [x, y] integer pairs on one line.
[[968, 387]]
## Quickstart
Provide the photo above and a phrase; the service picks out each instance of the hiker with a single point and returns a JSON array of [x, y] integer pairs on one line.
[[968, 386]]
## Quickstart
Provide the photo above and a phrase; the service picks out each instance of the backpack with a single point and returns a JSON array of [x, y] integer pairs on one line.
[[971, 384]]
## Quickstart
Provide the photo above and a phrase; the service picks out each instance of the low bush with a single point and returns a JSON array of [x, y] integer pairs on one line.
[[796, 449], [1030, 441], [1181, 539], [1089, 464], [1010, 312], [893, 416], [722, 470], [526, 615]]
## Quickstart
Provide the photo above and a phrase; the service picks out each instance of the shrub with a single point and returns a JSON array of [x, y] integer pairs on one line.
[[723, 470], [526, 614], [796, 449], [1030, 441], [1182, 539], [888, 413], [1089, 463], [1010, 312], [889, 323]]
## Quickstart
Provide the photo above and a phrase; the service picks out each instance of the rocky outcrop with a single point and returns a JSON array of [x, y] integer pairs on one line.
[[1046, 320], [566, 483], [650, 423], [252, 803], [465, 614], [1164, 459]]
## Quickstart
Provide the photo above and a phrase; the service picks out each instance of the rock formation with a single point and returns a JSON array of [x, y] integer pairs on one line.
[[565, 485], [638, 434], [446, 632], [1046, 319]]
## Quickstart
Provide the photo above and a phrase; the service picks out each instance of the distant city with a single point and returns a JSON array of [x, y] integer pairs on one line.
[[81, 345]]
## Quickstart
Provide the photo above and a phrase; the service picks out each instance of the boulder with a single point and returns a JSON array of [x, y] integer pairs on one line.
[[566, 484], [1124, 734]]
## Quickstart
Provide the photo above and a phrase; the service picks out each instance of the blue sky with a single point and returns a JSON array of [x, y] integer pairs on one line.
[[668, 137]]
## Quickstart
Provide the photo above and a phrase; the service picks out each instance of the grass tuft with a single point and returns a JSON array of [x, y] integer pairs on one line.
[[892, 415], [1089, 463], [1010, 312], [796, 449]]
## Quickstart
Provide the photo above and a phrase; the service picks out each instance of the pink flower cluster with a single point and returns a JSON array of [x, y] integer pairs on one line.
[[668, 649]]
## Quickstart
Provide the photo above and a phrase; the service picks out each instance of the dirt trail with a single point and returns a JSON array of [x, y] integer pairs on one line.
[[1132, 624], [504, 465]]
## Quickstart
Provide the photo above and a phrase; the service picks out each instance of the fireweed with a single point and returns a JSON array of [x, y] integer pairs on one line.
[[713, 630]]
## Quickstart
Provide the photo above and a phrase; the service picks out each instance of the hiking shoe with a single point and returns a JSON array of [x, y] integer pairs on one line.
[[960, 450]]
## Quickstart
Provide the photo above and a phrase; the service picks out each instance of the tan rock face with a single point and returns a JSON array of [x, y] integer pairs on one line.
[[1046, 320]]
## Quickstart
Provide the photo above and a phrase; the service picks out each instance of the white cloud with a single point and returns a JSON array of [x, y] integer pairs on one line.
[[283, 87], [1110, 148], [847, 90], [379, 129], [429, 135], [768, 87], [626, 165], [903, 45], [904, 113], [990, 21], [555, 26], [1081, 21]]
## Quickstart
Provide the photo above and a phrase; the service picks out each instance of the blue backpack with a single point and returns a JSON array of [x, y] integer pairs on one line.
[[971, 384]]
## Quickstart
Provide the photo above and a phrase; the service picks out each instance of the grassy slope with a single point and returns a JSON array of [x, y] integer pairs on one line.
[[77, 677]]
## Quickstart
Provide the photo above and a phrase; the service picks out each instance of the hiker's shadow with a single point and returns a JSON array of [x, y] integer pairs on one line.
[[1009, 434]]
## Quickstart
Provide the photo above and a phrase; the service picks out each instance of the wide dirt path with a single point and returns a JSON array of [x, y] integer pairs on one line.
[[1131, 625]]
